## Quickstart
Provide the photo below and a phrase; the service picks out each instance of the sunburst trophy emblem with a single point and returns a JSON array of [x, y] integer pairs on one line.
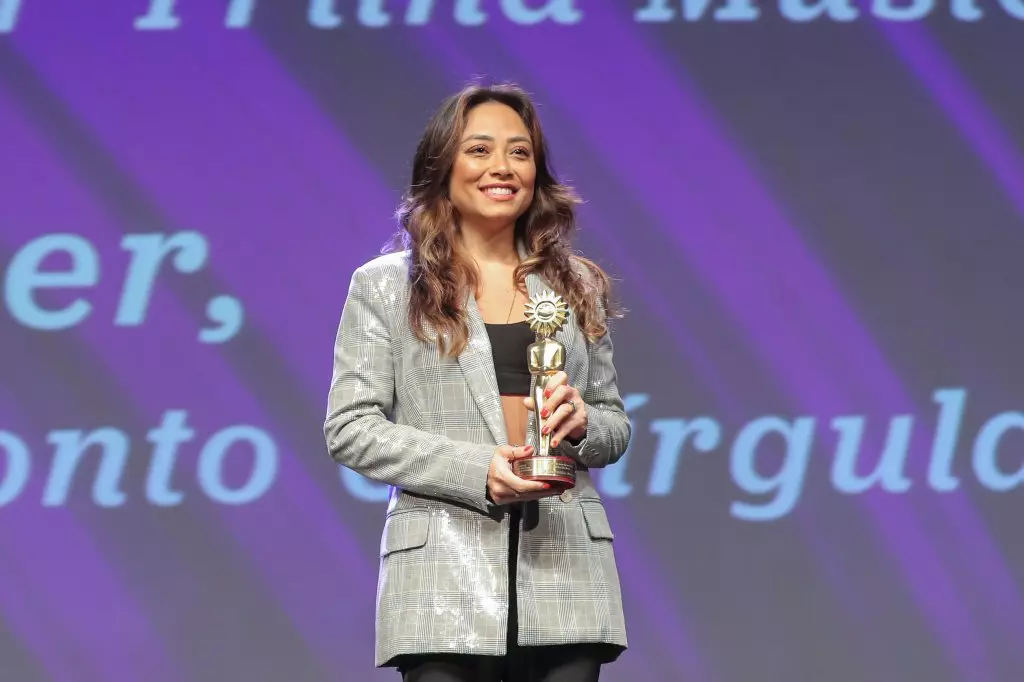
[[546, 313]]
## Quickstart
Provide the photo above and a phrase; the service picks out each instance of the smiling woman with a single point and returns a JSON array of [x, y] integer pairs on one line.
[[493, 175], [430, 395]]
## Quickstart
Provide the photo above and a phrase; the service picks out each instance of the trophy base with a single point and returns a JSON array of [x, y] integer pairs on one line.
[[558, 471]]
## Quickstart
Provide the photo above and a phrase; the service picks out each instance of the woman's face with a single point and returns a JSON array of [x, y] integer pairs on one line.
[[494, 171]]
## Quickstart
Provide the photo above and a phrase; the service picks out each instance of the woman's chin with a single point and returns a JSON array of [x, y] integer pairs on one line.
[[492, 216]]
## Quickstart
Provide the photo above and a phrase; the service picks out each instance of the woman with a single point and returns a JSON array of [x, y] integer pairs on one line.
[[483, 575]]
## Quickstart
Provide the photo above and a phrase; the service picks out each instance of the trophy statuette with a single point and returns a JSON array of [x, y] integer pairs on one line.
[[546, 312]]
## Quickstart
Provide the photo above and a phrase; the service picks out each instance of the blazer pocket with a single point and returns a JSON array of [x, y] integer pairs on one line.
[[597, 520], [404, 530]]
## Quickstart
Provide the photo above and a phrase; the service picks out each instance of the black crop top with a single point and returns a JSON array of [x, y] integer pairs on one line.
[[509, 343]]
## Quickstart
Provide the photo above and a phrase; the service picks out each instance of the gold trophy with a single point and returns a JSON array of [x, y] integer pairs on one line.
[[546, 312]]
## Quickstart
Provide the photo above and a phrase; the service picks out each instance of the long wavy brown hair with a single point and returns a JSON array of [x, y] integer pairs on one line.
[[441, 275]]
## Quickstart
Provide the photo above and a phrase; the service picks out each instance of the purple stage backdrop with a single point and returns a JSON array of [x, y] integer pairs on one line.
[[815, 210]]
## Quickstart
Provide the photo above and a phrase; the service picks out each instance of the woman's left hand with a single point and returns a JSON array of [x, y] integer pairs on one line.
[[564, 413]]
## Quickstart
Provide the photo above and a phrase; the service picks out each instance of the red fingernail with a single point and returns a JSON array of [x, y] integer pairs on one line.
[[547, 392], [544, 430], [544, 412], [554, 443]]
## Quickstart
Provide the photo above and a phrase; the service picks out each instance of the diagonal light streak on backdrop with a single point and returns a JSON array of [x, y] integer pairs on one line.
[[312, 512], [95, 587], [722, 254], [939, 74]]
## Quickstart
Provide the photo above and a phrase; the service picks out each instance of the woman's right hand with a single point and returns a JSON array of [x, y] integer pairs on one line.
[[503, 486]]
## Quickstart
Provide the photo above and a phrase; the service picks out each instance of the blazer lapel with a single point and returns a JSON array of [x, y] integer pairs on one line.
[[477, 364]]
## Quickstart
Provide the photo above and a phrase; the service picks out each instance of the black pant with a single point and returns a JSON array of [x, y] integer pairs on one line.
[[574, 663], [535, 664]]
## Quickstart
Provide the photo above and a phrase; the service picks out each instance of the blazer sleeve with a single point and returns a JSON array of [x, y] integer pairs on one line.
[[358, 430], [608, 427]]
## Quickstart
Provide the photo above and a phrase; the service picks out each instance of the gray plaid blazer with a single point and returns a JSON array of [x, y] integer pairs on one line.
[[427, 425]]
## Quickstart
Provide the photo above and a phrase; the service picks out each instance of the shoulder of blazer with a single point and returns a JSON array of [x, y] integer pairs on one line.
[[388, 274], [384, 281], [387, 269]]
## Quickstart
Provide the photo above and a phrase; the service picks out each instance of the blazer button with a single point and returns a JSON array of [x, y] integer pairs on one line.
[[566, 496]]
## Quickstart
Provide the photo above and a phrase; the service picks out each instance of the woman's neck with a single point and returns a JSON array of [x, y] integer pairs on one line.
[[492, 247]]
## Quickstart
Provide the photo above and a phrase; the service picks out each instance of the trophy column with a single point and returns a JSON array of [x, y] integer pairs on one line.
[[546, 313]]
